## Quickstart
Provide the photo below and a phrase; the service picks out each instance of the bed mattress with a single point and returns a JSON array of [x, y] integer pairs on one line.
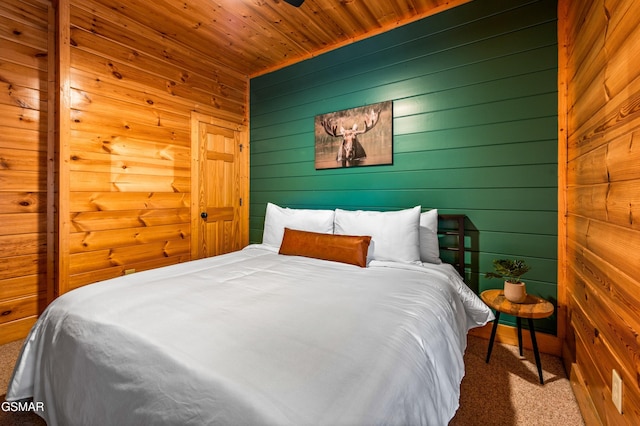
[[254, 337]]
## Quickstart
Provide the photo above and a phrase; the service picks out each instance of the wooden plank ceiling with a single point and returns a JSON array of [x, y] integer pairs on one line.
[[253, 37]]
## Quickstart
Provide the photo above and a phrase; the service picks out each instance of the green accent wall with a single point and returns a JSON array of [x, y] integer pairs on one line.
[[475, 127]]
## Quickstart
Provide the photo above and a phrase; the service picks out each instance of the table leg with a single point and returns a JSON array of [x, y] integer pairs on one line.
[[535, 350], [519, 323], [493, 335]]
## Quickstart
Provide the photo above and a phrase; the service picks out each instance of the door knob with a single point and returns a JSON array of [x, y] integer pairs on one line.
[[204, 215]]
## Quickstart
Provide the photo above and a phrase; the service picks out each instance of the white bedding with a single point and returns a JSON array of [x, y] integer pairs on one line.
[[254, 337]]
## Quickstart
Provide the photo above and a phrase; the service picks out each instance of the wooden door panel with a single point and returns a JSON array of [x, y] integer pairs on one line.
[[221, 198], [221, 231], [220, 188]]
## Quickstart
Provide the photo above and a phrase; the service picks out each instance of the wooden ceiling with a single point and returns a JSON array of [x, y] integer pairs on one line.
[[254, 37]]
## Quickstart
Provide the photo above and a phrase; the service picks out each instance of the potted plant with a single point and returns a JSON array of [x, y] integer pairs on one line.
[[511, 271]]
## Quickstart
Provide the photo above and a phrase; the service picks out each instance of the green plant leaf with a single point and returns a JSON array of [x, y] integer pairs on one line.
[[510, 270]]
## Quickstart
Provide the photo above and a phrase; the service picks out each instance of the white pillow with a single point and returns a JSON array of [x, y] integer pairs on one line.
[[429, 245], [394, 235], [277, 218]]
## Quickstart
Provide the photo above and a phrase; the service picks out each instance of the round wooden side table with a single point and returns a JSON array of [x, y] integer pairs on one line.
[[532, 308]]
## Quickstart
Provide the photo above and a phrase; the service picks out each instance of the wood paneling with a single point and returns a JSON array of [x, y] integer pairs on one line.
[[254, 37], [474, 96], [602, 190], [132, 90], [100, 127], [24, 72]]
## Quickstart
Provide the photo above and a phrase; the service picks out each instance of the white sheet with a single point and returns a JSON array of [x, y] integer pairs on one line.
[[254, 337]]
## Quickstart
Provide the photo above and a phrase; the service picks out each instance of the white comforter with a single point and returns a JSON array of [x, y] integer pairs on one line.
[[254, 337]]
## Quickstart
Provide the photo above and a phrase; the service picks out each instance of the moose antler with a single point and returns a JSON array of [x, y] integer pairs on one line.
[[370, 120], [330, 128]]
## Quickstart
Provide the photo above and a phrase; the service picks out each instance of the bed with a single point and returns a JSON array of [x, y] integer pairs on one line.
[[273, 334]]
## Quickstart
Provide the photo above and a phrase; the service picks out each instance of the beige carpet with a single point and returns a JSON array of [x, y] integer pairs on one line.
[[507, 391], [504, 392]]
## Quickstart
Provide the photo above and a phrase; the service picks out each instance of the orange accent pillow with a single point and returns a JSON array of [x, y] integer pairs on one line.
[[338, 248]]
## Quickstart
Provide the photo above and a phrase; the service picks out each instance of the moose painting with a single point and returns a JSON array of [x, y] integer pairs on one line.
[[359, 136]]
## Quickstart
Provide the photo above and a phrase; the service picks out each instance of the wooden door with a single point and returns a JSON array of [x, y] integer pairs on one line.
[[219, 187]]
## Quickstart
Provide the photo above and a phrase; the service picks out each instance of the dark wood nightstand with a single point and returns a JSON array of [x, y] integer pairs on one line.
[[532, 308]]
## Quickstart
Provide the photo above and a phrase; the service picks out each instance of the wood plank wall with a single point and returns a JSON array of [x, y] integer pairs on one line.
[[24, 72], [132, 91], [124, 96], [602, 76], [474, 93]]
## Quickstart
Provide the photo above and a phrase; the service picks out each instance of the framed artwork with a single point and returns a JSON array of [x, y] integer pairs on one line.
[[361, 136]]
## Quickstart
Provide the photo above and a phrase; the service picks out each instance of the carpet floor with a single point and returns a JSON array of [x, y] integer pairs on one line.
[[505, 392]]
